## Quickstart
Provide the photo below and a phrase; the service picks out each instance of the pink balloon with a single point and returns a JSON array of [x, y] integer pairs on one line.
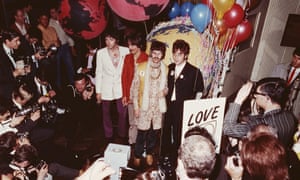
[[234, 16]]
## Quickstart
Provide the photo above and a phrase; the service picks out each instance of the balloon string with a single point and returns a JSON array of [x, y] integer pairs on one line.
[[145, 25]]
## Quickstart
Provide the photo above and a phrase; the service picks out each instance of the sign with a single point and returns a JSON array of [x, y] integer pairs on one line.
[[207, 113]]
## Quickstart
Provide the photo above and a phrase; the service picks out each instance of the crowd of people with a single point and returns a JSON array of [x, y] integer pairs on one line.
[[40, 87]]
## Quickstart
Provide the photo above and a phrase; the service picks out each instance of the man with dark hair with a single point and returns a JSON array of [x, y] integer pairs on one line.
[[136, 44], [291, 73], [9, 71], [268, 94], [149, 88], [185, 82], [109, 68]]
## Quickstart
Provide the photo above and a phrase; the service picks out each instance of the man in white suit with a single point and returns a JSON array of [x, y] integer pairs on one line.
[[109, 65], [291, 73]]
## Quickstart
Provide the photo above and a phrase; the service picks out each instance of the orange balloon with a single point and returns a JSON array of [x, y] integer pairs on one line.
[[221, 6]]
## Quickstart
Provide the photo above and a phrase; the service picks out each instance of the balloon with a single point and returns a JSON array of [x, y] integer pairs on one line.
[[186, 9], [200, 17], [250, 4], [243, 31], [221, 6], [209, 4], [221, 26], [137, 10], [175, 11], [234, 16]]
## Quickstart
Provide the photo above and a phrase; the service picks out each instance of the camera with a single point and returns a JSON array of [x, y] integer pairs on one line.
[[44, 52], [40, 164], [27, 110]]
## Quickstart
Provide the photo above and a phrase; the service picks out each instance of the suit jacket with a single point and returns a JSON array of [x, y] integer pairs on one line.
[[128, 71], [7, 80], [108, 77], [188, 83], [282, 71]]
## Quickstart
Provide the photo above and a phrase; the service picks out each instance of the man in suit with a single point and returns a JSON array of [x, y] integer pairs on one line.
[[291, 73], [8, 68], [185, 82], [109, 68]]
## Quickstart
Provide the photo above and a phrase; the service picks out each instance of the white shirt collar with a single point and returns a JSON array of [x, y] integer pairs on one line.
[[179, 68]]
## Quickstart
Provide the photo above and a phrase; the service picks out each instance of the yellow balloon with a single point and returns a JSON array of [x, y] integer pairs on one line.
[[221, 6]]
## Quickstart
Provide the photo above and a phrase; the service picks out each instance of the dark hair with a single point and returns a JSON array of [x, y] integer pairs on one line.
[[93, 43], [264, 157], [296, 51], [275, 88], [43, 73], [81, 76], [159, 46], [112, 33], [137, 39], [181, 45], [8, 141], [34, 32], [8, 35], [16, 92], [26, 153]]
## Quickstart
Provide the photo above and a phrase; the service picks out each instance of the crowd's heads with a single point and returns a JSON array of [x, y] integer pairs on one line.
[[196, 155], [182, 46], [138, 40], [264, 157], [43, 75], [112, 34], [10, 39], [158, 46], [81, 81], [22, 93], [296, 58], [19, 16], [26, 155], [273, 88], [44, 19]]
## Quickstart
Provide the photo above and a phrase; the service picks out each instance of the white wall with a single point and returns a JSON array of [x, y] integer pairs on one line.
[[269, 50]]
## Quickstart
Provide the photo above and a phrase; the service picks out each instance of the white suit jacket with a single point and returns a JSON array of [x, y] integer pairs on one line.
[[108, 77]]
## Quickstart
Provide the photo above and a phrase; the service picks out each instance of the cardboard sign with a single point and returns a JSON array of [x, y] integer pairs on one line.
[[207, 113]]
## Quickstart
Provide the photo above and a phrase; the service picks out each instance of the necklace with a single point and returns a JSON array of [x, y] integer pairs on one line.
[[155, 73]]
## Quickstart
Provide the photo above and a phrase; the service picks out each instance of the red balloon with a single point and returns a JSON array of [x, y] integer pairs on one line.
[[234, 16], [243, 31], [137, 10]]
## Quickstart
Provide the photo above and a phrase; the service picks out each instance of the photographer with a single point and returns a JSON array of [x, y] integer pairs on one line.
[[27, 163], [81, 97], [268, 94]]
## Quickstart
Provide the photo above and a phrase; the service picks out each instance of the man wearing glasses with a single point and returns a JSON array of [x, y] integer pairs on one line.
[[268, 94]]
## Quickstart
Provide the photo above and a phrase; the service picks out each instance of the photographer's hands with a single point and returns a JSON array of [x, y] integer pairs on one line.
[[98, 170], [243, 93], [234, 169]]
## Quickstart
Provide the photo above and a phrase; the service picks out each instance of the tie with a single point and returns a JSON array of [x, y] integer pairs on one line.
[[291, 76]]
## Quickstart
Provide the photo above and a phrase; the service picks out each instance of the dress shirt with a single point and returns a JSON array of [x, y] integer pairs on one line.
[[178, 69], [22, 29], [8, 51], [297, 71]]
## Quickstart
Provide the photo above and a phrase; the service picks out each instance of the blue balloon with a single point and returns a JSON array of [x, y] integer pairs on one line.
[[175, 11], [201, 17], [186, 9]]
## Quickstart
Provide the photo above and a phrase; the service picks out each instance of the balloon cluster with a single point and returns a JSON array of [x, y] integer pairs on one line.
[[227, 17]]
